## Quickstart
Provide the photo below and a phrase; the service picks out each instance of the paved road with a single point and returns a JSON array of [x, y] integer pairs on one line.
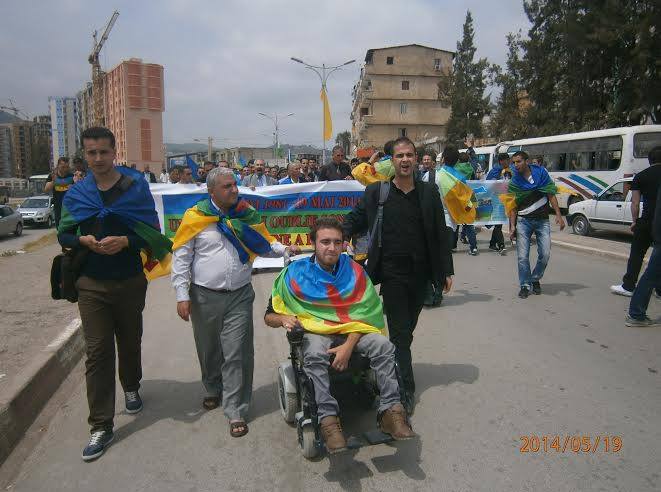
[[30, 233], [490, 368]]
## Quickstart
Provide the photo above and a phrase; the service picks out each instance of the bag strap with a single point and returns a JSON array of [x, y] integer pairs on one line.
[[384, 189]]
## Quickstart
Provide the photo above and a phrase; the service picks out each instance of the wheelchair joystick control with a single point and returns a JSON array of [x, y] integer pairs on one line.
[[295, 335]]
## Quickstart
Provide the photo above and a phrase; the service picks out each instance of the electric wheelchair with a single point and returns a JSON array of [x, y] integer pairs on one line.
[[297, 401]]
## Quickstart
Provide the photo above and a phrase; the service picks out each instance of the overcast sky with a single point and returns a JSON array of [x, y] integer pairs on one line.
[[226, 61]]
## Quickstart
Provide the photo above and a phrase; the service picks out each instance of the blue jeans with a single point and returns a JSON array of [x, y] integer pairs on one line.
[[651, 279], [468, 231], [524, 231]]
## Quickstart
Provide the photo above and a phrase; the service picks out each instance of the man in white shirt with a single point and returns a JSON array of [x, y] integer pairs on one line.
[[211, 274], [164, 177]]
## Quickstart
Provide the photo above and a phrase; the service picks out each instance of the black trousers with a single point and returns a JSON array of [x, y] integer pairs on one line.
[[497, 238], [642, 240], [403, 299]]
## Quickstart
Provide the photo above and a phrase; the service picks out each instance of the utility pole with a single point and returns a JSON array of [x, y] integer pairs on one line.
[[323, 72], [210, 143], [276, 134]]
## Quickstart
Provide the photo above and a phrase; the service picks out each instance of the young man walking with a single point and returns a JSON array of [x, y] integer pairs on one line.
[[110, 217], [409, 246], [531, 195]]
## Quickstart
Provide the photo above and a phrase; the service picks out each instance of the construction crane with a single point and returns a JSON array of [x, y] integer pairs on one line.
[[97, 73], [12, 107]]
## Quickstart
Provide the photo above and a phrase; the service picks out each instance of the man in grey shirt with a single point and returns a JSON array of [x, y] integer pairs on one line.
[[259, 178]]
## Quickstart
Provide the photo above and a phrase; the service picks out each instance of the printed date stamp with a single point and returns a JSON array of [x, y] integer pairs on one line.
[[534, 443]]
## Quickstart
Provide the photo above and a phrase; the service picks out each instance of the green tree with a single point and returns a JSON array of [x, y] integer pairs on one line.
[[509, 118], [588, 64], [344, 139], [464, 88]]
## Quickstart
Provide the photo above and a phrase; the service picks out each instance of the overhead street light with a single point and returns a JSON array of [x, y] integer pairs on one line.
[[274, 119], [323, 72]]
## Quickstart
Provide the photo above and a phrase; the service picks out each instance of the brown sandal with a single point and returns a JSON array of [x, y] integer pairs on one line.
[[211, 402], [234, 426]]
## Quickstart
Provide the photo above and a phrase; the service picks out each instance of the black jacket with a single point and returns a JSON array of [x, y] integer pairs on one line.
[[362, 218]]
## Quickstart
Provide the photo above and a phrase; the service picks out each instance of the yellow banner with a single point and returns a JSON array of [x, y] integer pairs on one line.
[[328, 123]]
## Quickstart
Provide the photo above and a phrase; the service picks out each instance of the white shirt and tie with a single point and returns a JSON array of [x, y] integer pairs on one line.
[[210, 260]]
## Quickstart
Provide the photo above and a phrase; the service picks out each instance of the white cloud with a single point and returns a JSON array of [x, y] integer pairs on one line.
[[226, 61]]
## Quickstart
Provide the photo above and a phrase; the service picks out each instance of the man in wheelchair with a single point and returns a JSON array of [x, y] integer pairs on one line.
[[332, 299]]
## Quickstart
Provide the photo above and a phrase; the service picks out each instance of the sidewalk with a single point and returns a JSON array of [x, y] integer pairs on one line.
[[607, 244], [39, 341]]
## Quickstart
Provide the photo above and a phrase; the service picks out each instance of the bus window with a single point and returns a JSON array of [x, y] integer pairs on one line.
[[644, 142]]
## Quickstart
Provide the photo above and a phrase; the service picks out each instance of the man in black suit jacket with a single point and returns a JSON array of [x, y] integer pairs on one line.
[[412, 249]]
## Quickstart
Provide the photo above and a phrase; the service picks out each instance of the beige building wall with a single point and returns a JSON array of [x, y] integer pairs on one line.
[[134, 101], [397, 94]]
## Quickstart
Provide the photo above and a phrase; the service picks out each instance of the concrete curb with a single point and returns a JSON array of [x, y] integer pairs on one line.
[[589, 250], [594, 251], [37, 383]]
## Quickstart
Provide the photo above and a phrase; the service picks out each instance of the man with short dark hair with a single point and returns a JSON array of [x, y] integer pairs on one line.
[[499, 171], [313, 173], [149, 176], [644, 187], [337, 169], [109, 217], [259, 178], [408, 247], [292, 304], [186, 175], [59, 182], [531, 191]]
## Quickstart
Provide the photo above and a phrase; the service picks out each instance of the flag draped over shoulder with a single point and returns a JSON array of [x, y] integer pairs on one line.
[[242, 227], [135, 208], [457, 196], [519, 187], [366, 174], [385, 167], [327, 304]]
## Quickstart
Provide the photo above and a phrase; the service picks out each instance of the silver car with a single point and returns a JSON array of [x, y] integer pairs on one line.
[[38, 210], [11, 221]]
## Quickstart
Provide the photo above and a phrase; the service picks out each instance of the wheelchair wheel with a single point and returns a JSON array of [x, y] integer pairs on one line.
[[308, 444], [288, 401]]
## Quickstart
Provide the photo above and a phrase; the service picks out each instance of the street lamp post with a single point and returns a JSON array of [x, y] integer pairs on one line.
[[274, 119], [209, 146], [323, 72]]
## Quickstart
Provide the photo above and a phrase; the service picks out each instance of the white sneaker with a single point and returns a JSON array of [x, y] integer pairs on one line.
[[621, 291]]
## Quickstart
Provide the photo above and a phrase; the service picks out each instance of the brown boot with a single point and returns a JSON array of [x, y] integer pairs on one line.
[[331, 432], [394, 422]]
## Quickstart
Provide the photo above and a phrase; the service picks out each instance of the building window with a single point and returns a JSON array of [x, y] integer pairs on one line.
[[437, 64], [402, 132], [390, 60], [402, 108], [364, 111], [405, 85]]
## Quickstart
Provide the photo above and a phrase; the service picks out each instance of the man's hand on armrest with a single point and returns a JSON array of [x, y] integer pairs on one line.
[[343, 352], [285, 321]]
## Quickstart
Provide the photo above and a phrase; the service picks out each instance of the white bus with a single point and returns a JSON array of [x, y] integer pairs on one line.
[[589, 162]]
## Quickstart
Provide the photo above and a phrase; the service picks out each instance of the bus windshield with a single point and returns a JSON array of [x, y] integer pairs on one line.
[[644, 142]]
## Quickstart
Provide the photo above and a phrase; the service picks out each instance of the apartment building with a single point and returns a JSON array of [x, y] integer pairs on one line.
[[134, 105], [64, 126], [397, 95]]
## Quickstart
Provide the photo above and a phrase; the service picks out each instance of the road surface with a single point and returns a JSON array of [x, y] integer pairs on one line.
[[490, 368]]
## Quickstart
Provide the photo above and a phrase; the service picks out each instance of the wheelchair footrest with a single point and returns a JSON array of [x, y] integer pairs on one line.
[[369, 438], [377, 437]]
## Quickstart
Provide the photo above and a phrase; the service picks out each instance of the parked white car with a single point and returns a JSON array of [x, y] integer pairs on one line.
[[11, 221], [608, 211]]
